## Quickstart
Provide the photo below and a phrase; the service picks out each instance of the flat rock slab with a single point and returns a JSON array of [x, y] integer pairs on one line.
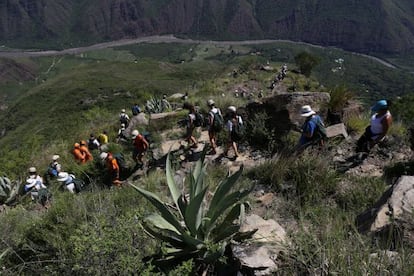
[[336, 130], [260, 254]]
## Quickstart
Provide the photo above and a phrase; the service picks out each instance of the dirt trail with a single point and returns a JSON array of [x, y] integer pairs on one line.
[[160, 39]]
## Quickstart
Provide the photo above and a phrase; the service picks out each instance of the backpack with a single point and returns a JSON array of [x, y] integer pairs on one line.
[[218, 122], [199, 119], [79, 184], [123, 119], [321, 130], [136, 110], [120, 159], [237, 131]]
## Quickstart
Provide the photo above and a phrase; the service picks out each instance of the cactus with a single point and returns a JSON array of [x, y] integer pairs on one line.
[[8, 190]]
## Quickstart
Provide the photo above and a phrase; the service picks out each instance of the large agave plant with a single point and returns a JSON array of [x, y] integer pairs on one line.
[[156, 105], [198, 228], [8, 190]]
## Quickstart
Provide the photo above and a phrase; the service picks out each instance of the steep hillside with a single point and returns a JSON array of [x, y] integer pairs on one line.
[[380, 26]]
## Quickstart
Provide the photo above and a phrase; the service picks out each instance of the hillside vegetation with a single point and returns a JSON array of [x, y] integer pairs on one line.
[[98, 231], [370, 26]]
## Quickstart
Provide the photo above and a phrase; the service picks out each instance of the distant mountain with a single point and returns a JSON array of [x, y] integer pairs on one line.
[[385, 26]]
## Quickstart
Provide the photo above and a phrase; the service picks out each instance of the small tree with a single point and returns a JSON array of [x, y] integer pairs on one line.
[[306, 62]]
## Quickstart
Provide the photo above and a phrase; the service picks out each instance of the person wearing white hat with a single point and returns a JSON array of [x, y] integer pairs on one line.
[[34, 183], [124, 118], [214, 116], [141, 145], [68, 180], [54, 166], [310, 134], [234, 126]]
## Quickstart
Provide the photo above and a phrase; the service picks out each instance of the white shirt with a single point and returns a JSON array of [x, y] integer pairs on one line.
[[376, 125]]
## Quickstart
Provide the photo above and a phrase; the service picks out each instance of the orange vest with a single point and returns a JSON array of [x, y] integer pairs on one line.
[[79, 155], [88, 155]]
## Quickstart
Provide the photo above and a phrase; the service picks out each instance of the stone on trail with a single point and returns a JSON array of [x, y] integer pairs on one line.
[[336, 130], [260, 254]]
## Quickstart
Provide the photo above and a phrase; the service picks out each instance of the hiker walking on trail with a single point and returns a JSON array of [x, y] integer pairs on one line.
[[141, 145], [113, 167], [234, 127], [70, 182], [191, 125], [78, 154], [380, 123], [103, 140], [312, 128], [34, 185], [54, 167], [85, 151], [93, 143], [135, 109], [124, 118], [121, 136], [215, 125]]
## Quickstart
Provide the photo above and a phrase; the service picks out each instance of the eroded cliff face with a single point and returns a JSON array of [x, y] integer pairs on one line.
[[371, 25]]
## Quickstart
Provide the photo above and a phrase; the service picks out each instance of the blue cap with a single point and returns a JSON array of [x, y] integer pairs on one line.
[[382, 104]]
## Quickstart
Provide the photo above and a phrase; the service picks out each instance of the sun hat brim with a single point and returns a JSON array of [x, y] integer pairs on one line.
[[307, 114]]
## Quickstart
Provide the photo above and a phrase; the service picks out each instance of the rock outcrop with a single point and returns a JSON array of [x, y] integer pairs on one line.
[[284, 109]]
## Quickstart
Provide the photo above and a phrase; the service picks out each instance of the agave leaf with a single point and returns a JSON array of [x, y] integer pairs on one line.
[[229, 219], [227, 233], [157, 203], [193, 214], [167, 236], [159, 222], [200, 163], [14, 192], [241, 236], [182, 204], [175, 192], [222, 189], [225, 204], [210, 257]]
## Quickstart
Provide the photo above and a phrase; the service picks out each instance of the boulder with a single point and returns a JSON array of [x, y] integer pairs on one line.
[[283, 109], [395, 204], [137, 120], [259, 256], [336, 130]]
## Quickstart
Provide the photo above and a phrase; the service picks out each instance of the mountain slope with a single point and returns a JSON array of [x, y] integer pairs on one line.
[[364, 26]]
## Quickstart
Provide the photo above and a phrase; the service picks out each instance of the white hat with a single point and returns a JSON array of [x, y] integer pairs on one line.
[[103, 155], [55, 157], [306, 111], [134, 133], [210, 102], [232, 108], [32, 170], [63, 176], [123, 110]]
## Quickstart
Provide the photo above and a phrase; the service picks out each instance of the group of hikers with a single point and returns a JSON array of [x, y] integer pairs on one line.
[[312, 133]]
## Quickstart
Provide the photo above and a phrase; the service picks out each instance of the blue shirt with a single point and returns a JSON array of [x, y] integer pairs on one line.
[[309, 127]]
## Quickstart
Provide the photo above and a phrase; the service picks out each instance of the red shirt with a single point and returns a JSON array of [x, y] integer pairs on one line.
[[140, 143]]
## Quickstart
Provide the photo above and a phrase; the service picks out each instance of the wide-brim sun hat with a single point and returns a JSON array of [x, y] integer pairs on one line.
[[232, 108], [306, 111], [55, 157], [32, 170], [381, 104], [63, 176], [210, 102], [123, 110]]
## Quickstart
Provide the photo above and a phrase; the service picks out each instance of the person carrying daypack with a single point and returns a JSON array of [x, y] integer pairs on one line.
[[313, 129], [113, 168], [54, 166], [235, 130], [191, 125], [121, 136], [215, 124], [124, 118], [78, 154], [93, 143], [72, 184], [135, 109], [36, 187], [85, 151]]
